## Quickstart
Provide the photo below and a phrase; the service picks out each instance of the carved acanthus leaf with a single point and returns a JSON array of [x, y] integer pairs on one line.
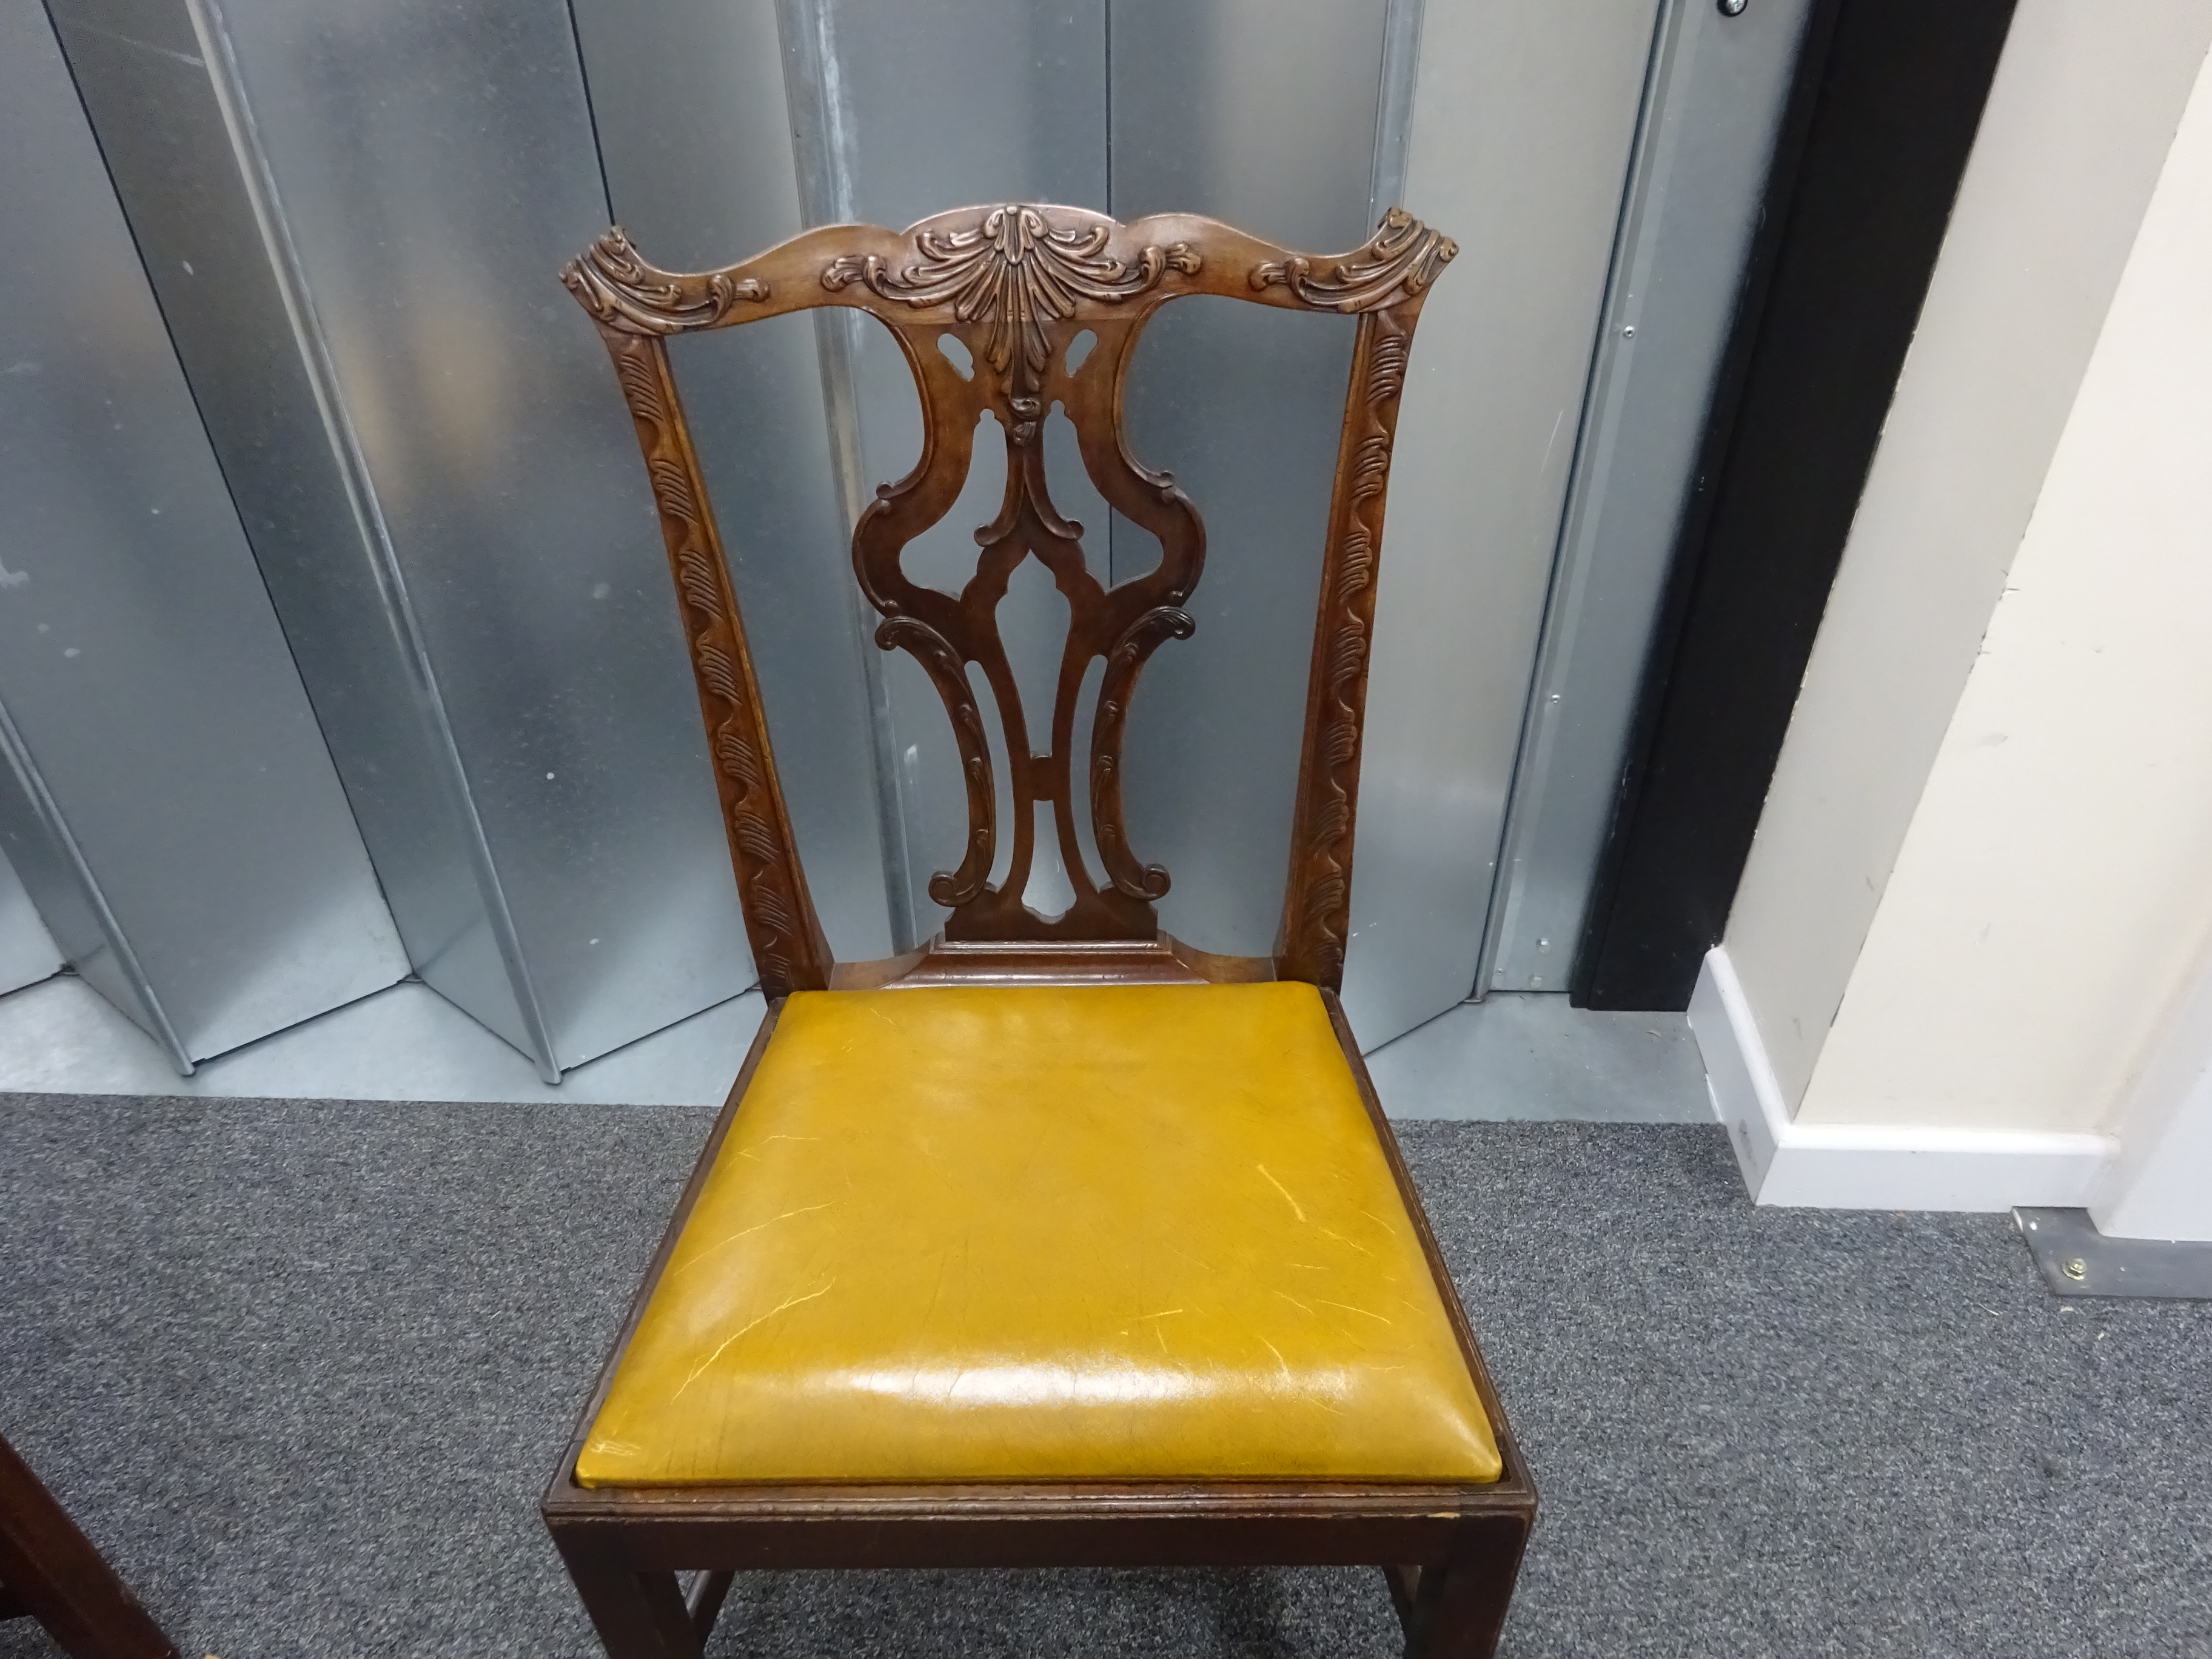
[[1401, 259], [618, 287], [1013, 271]]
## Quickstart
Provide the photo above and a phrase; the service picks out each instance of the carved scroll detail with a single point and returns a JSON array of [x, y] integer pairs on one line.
[[614, 283], [943, 665], [788, 948], [1137, 641], [1013, 271], [1398, 262], [1318, 905]]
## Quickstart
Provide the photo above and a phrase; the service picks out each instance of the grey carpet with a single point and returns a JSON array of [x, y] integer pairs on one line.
[[303, 1368]]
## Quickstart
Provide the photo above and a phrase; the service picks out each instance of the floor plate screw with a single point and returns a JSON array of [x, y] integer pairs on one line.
[[2074, 1267]]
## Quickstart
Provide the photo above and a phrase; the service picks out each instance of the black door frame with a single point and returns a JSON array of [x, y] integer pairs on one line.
[[1883, 109]]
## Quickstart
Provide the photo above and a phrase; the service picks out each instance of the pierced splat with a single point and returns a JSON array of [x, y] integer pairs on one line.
[[989, 305], [1021, 374]]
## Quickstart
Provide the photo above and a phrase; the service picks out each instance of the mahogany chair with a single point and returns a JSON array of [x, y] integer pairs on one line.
[[1056, 1242]]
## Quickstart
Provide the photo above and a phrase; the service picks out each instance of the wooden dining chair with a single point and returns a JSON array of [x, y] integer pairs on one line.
[[1056, 1242]]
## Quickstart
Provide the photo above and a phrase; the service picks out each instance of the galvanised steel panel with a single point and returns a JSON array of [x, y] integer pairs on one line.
[[1524, 116], [28, 951], [1717, 87], [434, 165], [688, 98], [68, 897], [1262, 114], [157, 728], [193, 185]]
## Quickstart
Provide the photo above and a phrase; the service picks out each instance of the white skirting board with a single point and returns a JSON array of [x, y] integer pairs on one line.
[[1839, 1166]]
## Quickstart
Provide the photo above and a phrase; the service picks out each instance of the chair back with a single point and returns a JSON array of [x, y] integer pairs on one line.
[[1017, 286]]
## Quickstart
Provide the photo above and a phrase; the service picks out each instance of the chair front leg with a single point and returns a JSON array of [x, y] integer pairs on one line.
[[638, 1615], [1455, 1609]]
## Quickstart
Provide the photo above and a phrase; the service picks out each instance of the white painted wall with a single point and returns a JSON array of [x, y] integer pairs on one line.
[[2080, 118], [2054, 888], [2159, 1186]]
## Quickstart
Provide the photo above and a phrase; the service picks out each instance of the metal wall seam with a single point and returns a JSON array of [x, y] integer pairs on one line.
[[1524, 123], [28, 951], [864, 77], [308, 335], [139, 1000], [1644, 193], [1245, 407], [1711, 110], [821, 157], [173, 806], [1394, 108]]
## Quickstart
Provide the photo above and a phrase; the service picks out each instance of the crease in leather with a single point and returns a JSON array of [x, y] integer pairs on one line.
[[1045, 1233]]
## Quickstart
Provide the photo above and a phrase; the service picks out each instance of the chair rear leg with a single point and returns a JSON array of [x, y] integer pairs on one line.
[[704, 1603], [638, 1615]]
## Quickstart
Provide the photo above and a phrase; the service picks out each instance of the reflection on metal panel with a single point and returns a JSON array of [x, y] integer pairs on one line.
[[28, 951], [68, 898], [1263, 115], [1717, 88], [928, 108], [688, 99], [188, 169], [167, 782], [1244, 406], [435, 167], [1523, 119]]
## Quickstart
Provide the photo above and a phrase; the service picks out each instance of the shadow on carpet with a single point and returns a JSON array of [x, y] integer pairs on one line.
[[303, 1369]]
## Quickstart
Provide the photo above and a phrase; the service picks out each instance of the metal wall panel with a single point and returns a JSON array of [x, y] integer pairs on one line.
[[688, 98], [1718, 85], [1244, 406], [68, 896], [170, 801], [433, 164], [1523, 120], [28, 951], [187, 168]]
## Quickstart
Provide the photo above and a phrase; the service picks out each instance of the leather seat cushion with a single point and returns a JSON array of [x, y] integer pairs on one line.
[[1046, 1233]]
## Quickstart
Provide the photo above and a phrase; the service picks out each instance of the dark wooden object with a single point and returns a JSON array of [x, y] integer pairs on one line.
[[50, 1571], [1017, 286]]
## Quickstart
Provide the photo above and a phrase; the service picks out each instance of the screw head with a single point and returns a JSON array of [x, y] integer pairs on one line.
[[1732, 8], [2074, 1267]]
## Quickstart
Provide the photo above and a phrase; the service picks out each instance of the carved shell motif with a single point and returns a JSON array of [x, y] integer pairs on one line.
[[1401, 258], [1013, 271], [618, 287]]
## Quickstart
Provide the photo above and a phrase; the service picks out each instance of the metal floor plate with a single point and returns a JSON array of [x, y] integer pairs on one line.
[[2076, 1260], [1513, 1057], [407, 1043], [1532, 1057]]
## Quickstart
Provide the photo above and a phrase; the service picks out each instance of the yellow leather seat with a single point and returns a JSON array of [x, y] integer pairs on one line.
[[1032, 1233]]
